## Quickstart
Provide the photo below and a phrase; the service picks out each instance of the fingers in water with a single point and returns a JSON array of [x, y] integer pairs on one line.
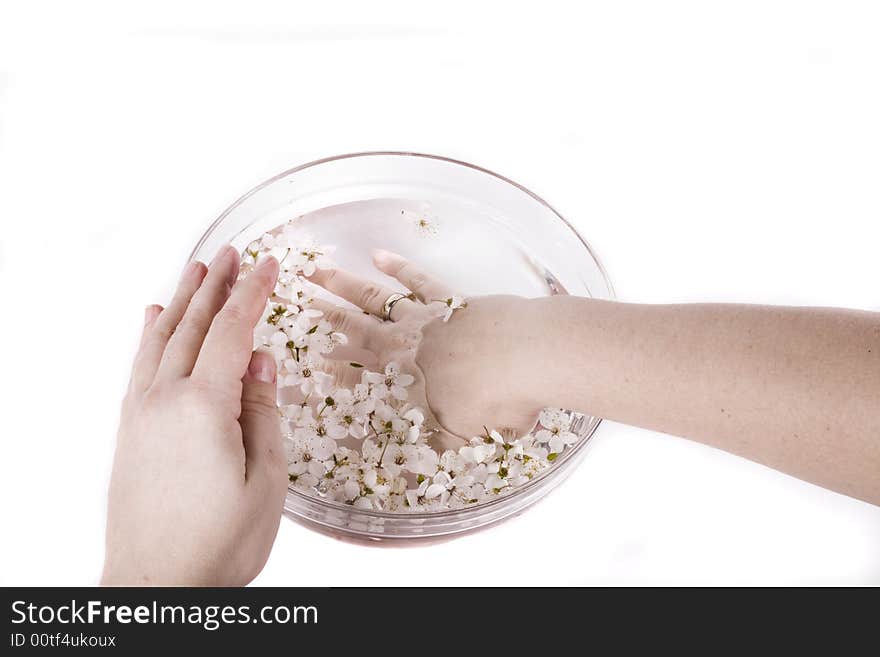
[[365, 294], [362, 330], [426, 287], [346, 374]]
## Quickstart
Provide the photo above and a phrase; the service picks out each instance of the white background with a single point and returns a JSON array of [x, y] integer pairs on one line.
[[707, 150]]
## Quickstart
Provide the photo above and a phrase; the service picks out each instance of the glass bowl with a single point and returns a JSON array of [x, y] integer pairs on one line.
[[486, 234]]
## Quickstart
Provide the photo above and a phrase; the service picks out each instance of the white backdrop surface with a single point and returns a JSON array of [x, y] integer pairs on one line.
[[708, 151]]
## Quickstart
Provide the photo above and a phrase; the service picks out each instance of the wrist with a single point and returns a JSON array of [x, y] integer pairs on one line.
[[558, 332]]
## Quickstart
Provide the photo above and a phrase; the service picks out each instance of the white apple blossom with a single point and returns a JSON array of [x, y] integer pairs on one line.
[[290, 287], [449, 306], [250, 254], [477, 452], [300, 320], [305, 374], [308, 258], [317, 430], [425, 225], [391, 383], [556, 434], [351, 412], [318, 338]]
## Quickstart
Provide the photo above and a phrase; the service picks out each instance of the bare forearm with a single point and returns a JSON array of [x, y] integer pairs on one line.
[[797, 389]]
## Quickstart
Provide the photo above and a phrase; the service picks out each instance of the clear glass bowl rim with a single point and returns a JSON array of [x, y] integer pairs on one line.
[[465, 512]]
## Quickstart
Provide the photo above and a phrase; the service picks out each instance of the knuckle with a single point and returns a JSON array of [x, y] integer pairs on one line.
[[196, 318], [161, 332], [197, 396], [370, 296], [399, 266], [331, 368], [417, 281], [154, 396], [198, 392], [261, 404], [346, 325], [230, 314], [187, 325], [336, 317], [399, 339]]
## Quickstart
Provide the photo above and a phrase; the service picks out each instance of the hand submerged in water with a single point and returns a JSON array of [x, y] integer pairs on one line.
[[454, 363]]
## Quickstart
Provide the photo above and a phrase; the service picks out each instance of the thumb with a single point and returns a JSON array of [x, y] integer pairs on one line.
[[259, 418]]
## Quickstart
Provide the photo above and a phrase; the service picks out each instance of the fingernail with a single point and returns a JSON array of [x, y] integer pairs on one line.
[[222, 251], [262, 367], [189, 269], [382, 257], [151, 312], [266, 263], [234, 265]]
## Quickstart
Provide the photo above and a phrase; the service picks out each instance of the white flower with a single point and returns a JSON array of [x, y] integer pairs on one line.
[[281, 345], [290, 416], [317, 428], [528, 446], [421, 459], [251, 253], [351, 412], [413, 500], [373, 451], [268, 323], [303, 373], [449, 306], [418, 459], [309, 257], [435, 490], [415, 416], [479, 452], [303, 480], [299, 320], [556, 434], [393, 382], [320, 338], [416, 419], [370, 488], [452, 462], [386, 420], [350, 490], [320, 447], [424, 224], [443, 486], [495, 482], [304, 468], [289, 286], [389, 455]]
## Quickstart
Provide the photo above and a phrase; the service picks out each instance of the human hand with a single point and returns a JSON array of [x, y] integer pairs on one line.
[[471, 371], [199, 475]]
